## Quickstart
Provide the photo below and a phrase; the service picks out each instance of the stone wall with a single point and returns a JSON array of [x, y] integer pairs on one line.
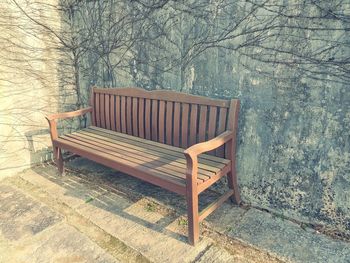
[[30, 82], [294, 128]]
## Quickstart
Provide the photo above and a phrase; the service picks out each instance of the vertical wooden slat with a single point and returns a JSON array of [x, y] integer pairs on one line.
[[155, 120], [184, 125], [123, 114], [112, 112], [97, 107], [135, 130], [212, 122], [108, 120], [148, 119], [102, 111], [193, 124], [221, 128], [92, 103], [161, 118], [129, 115], [141, 118], [202, 123], [118, 115], [169, 122], [212, 125], [176, 127]]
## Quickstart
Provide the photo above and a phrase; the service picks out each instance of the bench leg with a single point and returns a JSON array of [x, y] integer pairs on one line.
[[232, 184], [59, 160], [193, 218]]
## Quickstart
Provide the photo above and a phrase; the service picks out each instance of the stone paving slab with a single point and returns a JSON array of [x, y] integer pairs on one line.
[[141, 231], [61, 243], [156, 234], [118, 204], [288, 240], [32, 232], [215, 254], [73, 191], [21, 216], [279, 237], [225, 218]]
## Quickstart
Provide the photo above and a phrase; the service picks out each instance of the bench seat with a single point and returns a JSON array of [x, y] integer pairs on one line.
[[165, 165]]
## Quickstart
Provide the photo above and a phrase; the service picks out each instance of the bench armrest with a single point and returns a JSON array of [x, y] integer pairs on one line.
[[52, 119], [209, 145], [71, 114], [192, 153]]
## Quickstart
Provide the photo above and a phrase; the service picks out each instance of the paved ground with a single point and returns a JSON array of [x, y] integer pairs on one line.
[[95, 214]]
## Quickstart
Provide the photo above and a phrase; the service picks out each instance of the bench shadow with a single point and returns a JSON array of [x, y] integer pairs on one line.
[[107, 189], [38, 155]]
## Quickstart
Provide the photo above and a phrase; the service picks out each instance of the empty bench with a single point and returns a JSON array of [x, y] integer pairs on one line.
[[180, 142]]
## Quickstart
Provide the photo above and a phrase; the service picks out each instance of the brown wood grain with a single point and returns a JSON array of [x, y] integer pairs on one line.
[[125, 166], [97, 110], [102, 111], [161, 121], [202, 123], [112, 111], [92, 105], [155, 120], [129, 115], [184, 127], [193, 124], [164, 95], [123, 113], [135, 130], [135, 148], [71, 114], [212, 124], [176, 124], [118, 115], [107, 112], [141, 118], [220, 152], [231, 149], [205, 161], [169, 122], [148, 119]]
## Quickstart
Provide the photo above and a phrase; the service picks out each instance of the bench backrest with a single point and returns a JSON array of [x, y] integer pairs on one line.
[[168, 117]]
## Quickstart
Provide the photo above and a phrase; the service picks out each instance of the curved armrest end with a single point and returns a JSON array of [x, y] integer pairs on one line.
[[65, 115], [207, 146]]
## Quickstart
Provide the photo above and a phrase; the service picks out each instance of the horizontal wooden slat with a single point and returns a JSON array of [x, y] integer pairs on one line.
[[213, 179], [139, 158], [154, 177], [138, 149], [203, 165], [164, 95], [175, 150]]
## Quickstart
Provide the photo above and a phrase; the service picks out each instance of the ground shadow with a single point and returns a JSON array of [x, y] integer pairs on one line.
[[108, 189]]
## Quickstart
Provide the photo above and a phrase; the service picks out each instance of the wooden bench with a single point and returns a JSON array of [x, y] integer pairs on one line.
[[159, 137]]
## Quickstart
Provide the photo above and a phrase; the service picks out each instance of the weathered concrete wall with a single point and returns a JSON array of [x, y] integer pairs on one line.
[[294, 148], [294, 133], [30, 82]]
